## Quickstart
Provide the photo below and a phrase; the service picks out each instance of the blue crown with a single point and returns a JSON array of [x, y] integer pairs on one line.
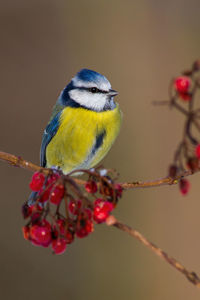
[[89, 75]]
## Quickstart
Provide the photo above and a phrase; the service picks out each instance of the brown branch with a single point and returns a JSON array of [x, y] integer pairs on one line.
[[158, 182], [18, 161], [191, 276]]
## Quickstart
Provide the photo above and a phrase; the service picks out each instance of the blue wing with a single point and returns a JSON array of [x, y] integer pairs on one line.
[[49, 133]]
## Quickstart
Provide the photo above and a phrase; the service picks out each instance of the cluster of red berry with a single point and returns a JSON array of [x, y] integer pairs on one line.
[[187, 156], [47, 225]]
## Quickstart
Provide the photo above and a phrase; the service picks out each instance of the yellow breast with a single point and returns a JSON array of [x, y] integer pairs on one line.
[[71, 147]]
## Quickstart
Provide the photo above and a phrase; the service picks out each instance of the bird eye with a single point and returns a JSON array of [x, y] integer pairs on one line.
[[94, 90]]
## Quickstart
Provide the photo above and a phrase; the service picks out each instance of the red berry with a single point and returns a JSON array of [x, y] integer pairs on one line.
[[53, 178], [44, 195], [57, 194], [26, 232], [182, 84], [37, 181], [197, 151], [106, 205], [35, 243], [41, 234], [91, 187], [88, 213], [33, 230], [74, 206], [184, 186], [59, 228], [102, 210], [61, 225], [35, 217], [84, 228], [69, 236], [59, 245], [46, 223], [99, 201], [89, 226]]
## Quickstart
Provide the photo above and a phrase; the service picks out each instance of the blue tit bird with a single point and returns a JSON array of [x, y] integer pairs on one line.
[[84, 124]]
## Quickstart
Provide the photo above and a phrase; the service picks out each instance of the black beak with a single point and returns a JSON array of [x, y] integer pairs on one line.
[[112, 93]]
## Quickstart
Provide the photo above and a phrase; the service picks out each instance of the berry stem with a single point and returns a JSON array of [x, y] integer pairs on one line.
[[66, 207], [179, 107]]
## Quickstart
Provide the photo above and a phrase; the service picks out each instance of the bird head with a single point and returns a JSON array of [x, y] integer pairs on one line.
[[90, 90]]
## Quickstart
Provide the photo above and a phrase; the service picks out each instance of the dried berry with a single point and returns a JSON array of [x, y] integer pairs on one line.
[[27, 210], [184, 186], [193, 163], [84, 228], [91, 187], [26, 232], [173, 171], [185, 96], [118, 189]]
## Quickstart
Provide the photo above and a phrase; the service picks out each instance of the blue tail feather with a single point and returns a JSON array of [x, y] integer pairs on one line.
[[32, 198]]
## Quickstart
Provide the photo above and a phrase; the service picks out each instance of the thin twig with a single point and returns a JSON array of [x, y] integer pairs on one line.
[[158, 182], [180, 108], [18, 161], [191, 276]]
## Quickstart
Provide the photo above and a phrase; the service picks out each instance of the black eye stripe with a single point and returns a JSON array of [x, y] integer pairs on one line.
[[90, 90], [95, 90]]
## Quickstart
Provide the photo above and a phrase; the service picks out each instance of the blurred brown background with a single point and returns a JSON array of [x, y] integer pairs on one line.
[[139, 45]]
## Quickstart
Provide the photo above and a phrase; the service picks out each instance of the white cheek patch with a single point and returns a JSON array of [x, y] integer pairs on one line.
[[92, 101], [100, 84]]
